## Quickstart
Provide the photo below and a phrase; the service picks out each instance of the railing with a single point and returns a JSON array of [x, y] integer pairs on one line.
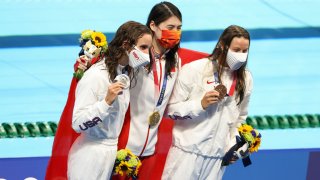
[[45, 129]]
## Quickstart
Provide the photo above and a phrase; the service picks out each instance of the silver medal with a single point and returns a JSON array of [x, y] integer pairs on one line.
[[124, 79]]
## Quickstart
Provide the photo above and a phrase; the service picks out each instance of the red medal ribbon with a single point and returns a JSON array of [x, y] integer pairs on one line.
[[234, 83]]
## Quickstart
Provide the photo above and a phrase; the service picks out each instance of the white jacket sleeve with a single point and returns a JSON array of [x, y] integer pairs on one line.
[[88, 110], [181, 106]]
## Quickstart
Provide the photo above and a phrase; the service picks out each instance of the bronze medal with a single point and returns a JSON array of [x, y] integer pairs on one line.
[[222, 90], [154, 118]]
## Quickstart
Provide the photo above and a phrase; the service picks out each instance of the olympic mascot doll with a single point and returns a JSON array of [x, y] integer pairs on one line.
[[93, 44]]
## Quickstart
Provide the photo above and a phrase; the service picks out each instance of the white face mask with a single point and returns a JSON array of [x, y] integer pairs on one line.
[[236, 59], [137, 58]]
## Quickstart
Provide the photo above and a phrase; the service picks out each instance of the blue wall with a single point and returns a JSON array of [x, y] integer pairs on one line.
[[294, 164]]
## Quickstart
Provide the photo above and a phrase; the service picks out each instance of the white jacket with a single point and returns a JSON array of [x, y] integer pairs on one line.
[[142, 104], [209, 132], [92, 116]]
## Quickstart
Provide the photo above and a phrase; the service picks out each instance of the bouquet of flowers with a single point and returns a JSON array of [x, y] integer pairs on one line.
[[127, 164], [93, 45], [248, 142], [251, 136]]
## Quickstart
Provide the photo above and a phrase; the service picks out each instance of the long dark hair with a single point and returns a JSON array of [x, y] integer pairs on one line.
[[130, 32], [220, 53], [158, 14]]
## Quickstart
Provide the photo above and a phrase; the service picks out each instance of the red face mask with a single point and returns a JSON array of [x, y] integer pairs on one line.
[[169, 38]]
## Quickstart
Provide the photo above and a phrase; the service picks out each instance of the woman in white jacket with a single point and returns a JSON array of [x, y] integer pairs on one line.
[[207, 115], [102, 101]]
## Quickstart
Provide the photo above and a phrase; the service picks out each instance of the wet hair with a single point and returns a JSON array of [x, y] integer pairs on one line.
[[220, 53], [128, 32], [158, 14]]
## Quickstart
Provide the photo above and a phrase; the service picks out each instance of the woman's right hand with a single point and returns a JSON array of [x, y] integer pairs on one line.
[[211, 97], [113, 90], [83, 62]]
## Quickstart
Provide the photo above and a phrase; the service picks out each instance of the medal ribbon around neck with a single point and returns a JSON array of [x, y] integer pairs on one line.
[[155, 116], [156, 82]]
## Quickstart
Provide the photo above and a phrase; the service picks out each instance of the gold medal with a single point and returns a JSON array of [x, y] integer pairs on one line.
[[222, 90], [154, 118]]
